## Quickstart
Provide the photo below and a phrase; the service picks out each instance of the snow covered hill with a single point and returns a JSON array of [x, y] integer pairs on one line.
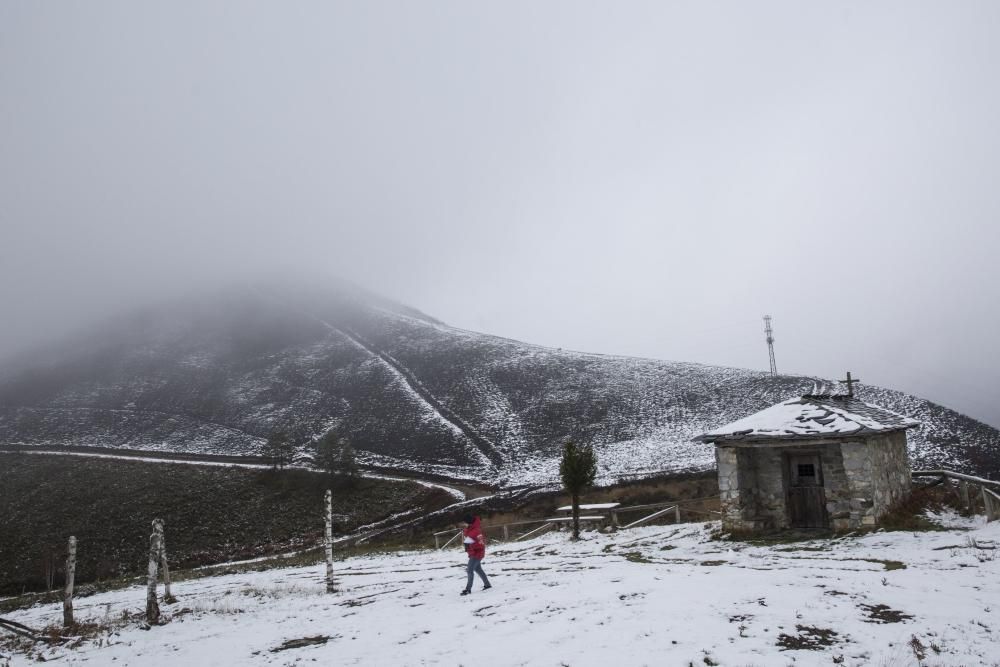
[[217, 375], [666, 595]]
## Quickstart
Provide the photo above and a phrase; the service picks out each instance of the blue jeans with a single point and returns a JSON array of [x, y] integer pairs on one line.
[[475, 566]]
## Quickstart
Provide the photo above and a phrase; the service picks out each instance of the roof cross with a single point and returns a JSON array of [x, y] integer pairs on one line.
[[850, 384]]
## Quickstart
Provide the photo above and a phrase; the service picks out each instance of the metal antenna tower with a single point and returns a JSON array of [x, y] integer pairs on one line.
[[770, 343]]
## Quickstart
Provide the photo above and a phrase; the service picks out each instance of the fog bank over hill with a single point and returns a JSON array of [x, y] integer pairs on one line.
[[646, 180]]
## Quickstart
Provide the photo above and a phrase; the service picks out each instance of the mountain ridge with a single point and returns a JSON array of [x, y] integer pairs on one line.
[[217, 375]]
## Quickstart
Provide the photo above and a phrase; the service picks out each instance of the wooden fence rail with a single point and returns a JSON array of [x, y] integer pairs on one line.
[[648, 506], [537, 531], [676, 509], [988, 490]]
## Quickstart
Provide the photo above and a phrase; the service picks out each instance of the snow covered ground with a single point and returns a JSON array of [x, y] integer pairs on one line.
[[667, 595]]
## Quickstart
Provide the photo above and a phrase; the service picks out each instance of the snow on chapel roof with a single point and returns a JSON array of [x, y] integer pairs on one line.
[[810, 417]]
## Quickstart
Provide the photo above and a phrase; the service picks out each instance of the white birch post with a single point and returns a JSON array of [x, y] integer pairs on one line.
[[152, 607], [330, 586], [158, 527], [70, 577]]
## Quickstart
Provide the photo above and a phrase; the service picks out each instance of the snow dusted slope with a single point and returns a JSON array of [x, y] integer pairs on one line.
[[666, 595], [217, 375]]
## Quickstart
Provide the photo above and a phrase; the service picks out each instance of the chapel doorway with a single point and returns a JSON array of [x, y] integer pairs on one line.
[[806, 496]]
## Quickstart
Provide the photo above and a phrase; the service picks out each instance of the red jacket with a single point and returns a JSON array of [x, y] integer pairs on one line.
[[477, 548]]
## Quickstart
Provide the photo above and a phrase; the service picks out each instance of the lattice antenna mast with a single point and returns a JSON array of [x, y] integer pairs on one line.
[[770, 343]]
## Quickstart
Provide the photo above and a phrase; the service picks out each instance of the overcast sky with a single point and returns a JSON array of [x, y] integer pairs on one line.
[[633, 178]]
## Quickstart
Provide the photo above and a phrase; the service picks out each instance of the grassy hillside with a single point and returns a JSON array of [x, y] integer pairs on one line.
[[212, 514]]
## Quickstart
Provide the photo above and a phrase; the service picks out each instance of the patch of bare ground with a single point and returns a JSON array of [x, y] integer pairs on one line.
[[880, 613], [809, 638], [288, 644]]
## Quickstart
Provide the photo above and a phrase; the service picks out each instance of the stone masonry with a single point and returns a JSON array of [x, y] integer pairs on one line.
[[862, 479]]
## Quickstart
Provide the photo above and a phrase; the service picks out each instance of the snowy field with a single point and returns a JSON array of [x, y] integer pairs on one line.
[[666, 595]]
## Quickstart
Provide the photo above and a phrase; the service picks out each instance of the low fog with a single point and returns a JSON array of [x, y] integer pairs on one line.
[[643, 179]]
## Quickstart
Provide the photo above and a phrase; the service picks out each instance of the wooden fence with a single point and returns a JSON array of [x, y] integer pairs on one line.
[[988, 491], [505, 527], [610, 516]]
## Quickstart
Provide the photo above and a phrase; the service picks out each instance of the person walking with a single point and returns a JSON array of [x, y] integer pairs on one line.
[[475, 547]]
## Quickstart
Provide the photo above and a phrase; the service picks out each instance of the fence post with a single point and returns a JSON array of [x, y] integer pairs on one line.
[[677, 514], [152, 606], [70, 577], [957, 488], [158, 527], [437, 542], [506, 533], [614, 520], [330, 586], [964, 487]]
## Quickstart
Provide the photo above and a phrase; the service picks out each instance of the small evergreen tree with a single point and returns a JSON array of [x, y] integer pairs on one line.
[[348, 462], [279, 450], [336, 457], [578, 469], [327, 453]]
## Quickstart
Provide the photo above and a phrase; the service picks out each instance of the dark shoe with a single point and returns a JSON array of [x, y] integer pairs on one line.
[[466, 592], [486, 587]]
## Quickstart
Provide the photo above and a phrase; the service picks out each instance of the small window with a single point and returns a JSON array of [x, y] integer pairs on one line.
[[806, 470]]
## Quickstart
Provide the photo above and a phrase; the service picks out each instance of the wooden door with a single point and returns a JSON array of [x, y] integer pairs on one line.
[[806, 497]]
